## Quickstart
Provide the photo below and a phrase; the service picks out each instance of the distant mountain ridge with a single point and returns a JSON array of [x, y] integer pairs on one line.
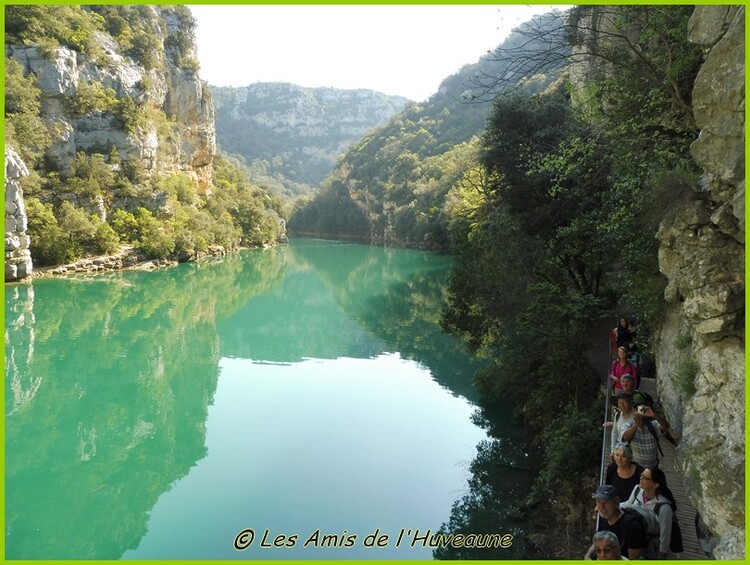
[[392, 185], [297, 133]]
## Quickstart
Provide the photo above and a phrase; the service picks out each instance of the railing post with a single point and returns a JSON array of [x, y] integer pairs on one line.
[[605, 431]]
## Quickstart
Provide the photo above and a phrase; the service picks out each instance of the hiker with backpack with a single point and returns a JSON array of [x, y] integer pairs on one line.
[[634, 429], [653, 410], [652, 493], [638, 431], [627, 525]]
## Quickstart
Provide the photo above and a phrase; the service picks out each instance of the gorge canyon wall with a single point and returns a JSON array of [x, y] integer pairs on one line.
[[83, 103], [701, 345]]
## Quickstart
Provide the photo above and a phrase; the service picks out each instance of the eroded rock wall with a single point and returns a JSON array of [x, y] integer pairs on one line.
[[18, 263], [300, 132], [184, 140], [700, 356]]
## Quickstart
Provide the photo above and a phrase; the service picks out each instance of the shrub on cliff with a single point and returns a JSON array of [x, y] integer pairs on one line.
[[70, 26], [136, 28], [24, 128]]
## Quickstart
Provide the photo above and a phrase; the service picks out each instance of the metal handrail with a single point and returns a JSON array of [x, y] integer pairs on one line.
[[605, 431]]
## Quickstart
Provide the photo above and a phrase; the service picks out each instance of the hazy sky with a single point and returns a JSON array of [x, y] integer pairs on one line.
[[403, 50]]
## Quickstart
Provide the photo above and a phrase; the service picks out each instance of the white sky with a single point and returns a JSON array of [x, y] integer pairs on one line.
[[398, 49]]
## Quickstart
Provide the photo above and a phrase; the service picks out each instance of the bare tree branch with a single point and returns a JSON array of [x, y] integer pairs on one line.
[[590, 44]]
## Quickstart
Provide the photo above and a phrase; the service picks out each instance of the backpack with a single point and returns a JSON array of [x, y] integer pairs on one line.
[[630, 513], [675, 538], [650, 427], [651, 522], [648, 400]]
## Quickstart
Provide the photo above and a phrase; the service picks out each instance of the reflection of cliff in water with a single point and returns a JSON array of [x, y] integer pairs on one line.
[[396, 295], [405, 313], [107, 387], [297, 319], [109, 379]]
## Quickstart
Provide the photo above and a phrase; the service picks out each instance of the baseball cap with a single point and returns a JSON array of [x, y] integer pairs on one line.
[[606, 492]]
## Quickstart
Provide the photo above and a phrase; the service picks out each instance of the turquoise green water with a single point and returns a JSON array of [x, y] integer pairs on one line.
[[298, 392]]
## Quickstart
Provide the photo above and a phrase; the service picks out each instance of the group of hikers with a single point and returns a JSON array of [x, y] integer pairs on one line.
[[636, 509]]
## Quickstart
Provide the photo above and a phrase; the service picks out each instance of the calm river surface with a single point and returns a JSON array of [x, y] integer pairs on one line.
[[299, 390]]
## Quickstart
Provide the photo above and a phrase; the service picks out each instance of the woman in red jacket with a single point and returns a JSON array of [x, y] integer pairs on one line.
[[620, 366]]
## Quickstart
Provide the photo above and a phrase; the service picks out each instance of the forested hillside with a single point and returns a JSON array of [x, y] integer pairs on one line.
[[115, 141], [289, 136], [393, 185]]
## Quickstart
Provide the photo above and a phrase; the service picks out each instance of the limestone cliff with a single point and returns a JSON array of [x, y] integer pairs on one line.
[[700, 353], [143, 111], [294, 131], [18, 264], [183, 141]]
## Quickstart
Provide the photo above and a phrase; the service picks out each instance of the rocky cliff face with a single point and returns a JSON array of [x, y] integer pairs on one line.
[[300, 132], [699, 347], [188, 146], [183, 141], [150, 114], [18, 263], [700, 356]]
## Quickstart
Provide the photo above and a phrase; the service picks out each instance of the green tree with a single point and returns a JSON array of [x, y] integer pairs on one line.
[[153, 240], [71, 26], [180, 187], [24, 128], [105, 239], [553, 174], [125, 225], [49, 243], [89, 176], [78, 228]]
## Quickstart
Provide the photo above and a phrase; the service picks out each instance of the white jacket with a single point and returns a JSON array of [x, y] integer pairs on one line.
[[663, 510]]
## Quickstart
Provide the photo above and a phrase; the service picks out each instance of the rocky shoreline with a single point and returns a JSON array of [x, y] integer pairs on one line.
[[126, 258]]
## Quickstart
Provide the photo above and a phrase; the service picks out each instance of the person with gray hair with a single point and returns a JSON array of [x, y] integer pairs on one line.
[[607, 547], [623, 473], [622, 420]]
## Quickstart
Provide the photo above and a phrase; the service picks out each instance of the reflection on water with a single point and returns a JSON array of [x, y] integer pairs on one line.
[[108, 381], [156, 415], [499, 492]]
